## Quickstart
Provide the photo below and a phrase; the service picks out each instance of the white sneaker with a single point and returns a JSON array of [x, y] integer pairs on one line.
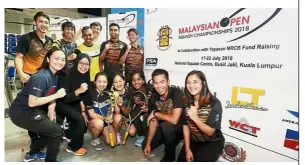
[[139, 141], [97, 144]]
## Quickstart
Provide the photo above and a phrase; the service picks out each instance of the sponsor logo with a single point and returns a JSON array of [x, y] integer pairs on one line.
[[164, 38], [151, 61], [244, 127], [58, 22], [125, 20], [253, 105], [231, 24], [292, 137], [233, 153], [292, 140], [34, 88], [296, 114], [149, 11]]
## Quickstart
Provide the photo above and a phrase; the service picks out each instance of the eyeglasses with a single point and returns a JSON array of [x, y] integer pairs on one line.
[[83, 64]]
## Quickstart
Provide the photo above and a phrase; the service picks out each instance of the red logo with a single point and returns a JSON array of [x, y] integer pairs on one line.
[[244, 127], [51, 91], [232, 153]]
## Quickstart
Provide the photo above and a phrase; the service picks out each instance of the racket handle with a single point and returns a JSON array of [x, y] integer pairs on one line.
[[125, 137], [111, 139]]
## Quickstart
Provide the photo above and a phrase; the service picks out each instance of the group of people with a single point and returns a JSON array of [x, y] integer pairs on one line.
[[64, 81]]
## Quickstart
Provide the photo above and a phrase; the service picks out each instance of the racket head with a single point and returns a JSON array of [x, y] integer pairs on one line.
[[105, 103], [136, 101]]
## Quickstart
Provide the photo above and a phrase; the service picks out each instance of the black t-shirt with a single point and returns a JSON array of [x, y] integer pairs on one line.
[[41, 84], [137, 100], [210, 115], [173, 100], [34, 51]]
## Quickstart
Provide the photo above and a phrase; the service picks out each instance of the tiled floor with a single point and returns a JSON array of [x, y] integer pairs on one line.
[[17, 143]]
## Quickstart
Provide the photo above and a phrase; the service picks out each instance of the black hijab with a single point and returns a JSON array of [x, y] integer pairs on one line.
[[75, 79]]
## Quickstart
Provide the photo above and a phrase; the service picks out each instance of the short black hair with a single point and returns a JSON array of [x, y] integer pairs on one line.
[[96, 24], [114, 24], [132, 30], [39, 14], [157, 72], [67, 24], [85, 28]]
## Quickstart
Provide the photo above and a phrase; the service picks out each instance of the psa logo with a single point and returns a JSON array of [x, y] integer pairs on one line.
[[151, 61], [292, 140], [296, 114], [244, 127], [232, 153], [164, 38], [255, 94]]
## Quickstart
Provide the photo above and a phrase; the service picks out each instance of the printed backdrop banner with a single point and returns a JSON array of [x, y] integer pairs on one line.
[[250, 59], [80, 23], [126, 21], [55, 31]]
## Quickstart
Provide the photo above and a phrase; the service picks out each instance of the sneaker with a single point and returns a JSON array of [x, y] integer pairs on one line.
[[65, 138], [139, 141], [80, 152], [58, 160], [38, 156], [97, 144], [118, 139]]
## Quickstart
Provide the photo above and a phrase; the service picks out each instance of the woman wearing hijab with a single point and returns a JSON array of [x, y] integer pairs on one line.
[[78, 94]]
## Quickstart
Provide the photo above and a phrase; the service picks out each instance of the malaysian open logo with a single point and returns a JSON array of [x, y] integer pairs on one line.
[[58, 22], [164, 38], [125, 20], [233, 24]]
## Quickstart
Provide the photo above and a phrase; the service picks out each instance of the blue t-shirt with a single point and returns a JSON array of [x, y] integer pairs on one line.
[[41, 84]]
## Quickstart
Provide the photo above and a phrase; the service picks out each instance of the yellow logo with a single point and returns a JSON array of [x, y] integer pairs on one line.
[[164, 38], [253, 104]]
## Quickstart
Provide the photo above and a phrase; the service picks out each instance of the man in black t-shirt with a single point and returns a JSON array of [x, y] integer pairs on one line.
[[32, 48], [166, 117]]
